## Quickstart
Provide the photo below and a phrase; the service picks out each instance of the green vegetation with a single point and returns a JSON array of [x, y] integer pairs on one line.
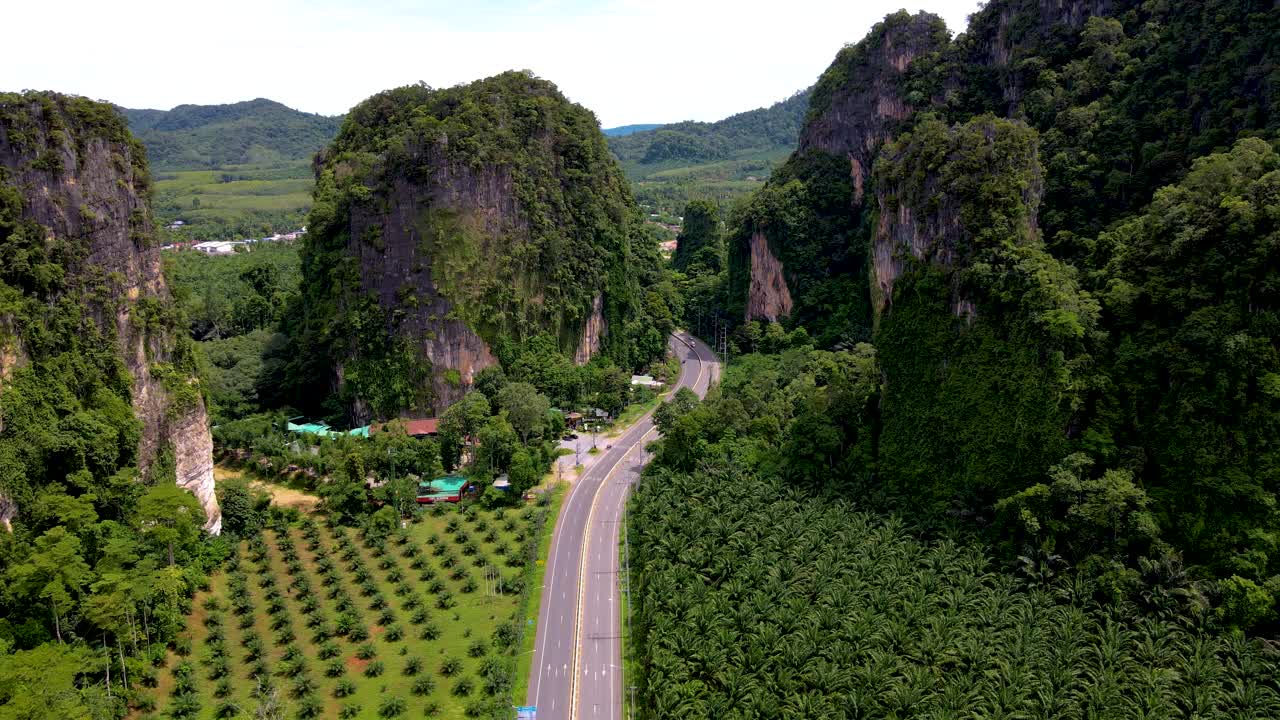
[[1051, 332], [232, 171], [197, 137], [234, 202], [565, 235], [101, 561], [1036, 440], [721, 161], [233, 304], [771, 579], [319, 620]]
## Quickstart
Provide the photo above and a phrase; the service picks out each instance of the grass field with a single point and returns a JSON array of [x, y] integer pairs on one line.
[[235, 200], [330, 624]]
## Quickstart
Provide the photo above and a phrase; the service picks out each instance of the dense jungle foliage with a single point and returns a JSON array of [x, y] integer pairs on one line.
[[521, 220], [768, 582], [1066, 261], [233, 305], [99, 562]]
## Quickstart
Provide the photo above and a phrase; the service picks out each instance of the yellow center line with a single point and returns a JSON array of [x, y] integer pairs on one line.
[[586, 536]]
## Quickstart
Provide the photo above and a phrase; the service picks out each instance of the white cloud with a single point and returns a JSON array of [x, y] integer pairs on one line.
[[628, 60]]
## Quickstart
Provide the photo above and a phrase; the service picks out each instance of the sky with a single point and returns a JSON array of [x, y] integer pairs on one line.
[[630, 61]]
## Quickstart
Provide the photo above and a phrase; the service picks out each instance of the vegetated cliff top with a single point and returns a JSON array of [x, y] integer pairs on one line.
[[254, 131], [765, 129]]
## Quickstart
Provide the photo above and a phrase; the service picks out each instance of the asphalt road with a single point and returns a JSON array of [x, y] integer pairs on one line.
[[577, 654]]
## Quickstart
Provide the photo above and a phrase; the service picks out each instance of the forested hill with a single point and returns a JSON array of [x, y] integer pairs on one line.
[[451, 226], [1016, 296], [252, 132], [754, 132], [1061, 243]]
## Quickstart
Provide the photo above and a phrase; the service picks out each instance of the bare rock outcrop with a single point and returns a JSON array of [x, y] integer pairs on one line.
[[592, 332], [768, 297]]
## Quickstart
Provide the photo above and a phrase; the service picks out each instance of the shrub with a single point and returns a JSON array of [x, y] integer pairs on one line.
[[477, 648], [222, 689], [445, 600], [350, 710], [391, 706], [367, 651], [344, 688], [358, 633], [226, 709], [329, 649], [182, 646], [430, 631], [303, 686], [464, 687], [423, 685], [374, 669], [450, 666], [335, 668], [387, 616], [394, 633], [218, 668], [309, 707], [504, 636], [412, 666]]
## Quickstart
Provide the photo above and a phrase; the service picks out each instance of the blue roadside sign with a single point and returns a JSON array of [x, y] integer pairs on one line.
[[526, 712]]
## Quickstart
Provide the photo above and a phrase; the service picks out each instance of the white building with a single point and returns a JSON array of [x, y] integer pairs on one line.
[[218, 247]]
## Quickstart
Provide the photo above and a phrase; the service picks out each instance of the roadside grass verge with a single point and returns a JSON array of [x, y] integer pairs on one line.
[[533, 605]]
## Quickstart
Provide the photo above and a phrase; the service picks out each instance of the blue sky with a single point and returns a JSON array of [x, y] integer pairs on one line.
[[630, 61]]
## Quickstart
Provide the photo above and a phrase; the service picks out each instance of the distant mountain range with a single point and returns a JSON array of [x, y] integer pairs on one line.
[[754, 133], [257, 132], [625, 130]]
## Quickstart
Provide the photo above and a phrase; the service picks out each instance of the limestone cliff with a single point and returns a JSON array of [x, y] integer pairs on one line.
[[859, 100], [802, 246], [451, 223], [81, 265], [931, 211]]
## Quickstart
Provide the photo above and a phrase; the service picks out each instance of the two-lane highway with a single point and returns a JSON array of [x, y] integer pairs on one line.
[[577, 655]]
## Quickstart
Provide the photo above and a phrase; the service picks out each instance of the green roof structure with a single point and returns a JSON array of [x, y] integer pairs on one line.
[[324, 430], [441, 488]]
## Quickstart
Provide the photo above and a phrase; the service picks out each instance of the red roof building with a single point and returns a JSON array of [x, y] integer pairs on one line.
[[419, 428]]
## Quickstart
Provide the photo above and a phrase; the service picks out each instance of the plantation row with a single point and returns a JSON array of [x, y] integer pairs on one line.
[[758, 600], [324, 621]]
